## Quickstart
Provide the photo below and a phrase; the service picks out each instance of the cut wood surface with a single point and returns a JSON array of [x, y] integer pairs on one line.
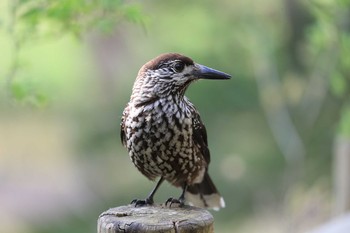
[[156, 218]]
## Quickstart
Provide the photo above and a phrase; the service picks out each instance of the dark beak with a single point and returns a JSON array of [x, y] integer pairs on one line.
[[204, 72]]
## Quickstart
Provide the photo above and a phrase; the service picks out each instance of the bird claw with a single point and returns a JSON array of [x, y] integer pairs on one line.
[[139, 203], [176, 201]]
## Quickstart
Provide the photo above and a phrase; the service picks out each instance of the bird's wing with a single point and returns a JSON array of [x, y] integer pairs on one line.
[[122, 126], [200, 137]]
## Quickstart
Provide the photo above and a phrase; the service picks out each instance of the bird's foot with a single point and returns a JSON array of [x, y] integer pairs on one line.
[[138, 203], [171, 201]]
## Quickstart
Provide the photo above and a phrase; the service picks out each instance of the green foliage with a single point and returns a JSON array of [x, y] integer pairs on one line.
[[330, 32], [77, 16], [27, 93], [27, 21]]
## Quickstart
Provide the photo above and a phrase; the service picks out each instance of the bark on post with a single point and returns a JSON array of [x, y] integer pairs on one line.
[[155, 219]]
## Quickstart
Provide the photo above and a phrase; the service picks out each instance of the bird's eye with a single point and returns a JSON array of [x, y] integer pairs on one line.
[[179, 66]]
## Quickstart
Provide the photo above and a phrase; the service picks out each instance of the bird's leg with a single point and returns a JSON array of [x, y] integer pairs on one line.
[[181, 200], [149, 198]]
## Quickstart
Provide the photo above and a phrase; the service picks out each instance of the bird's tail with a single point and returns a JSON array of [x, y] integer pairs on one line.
[[205, 194]]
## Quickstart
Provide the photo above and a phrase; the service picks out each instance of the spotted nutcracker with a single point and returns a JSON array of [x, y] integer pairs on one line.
[[163, 131]]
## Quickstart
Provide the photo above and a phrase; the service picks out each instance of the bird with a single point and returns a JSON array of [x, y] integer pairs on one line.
[[164, 134]]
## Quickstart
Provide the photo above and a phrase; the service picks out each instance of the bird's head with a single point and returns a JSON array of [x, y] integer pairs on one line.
[[169, 75]]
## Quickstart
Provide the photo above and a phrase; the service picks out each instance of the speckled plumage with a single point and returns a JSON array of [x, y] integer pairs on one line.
[[163, 132]]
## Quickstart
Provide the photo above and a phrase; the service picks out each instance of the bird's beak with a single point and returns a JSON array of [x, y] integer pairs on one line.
[[203, 72]]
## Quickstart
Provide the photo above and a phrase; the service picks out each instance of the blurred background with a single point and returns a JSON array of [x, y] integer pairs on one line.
[[279, 130]]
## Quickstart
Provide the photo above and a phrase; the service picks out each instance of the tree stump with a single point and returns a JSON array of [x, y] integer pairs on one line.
[[155, 218]]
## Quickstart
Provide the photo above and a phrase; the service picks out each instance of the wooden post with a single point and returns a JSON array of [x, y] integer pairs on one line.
[[155, 219]]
